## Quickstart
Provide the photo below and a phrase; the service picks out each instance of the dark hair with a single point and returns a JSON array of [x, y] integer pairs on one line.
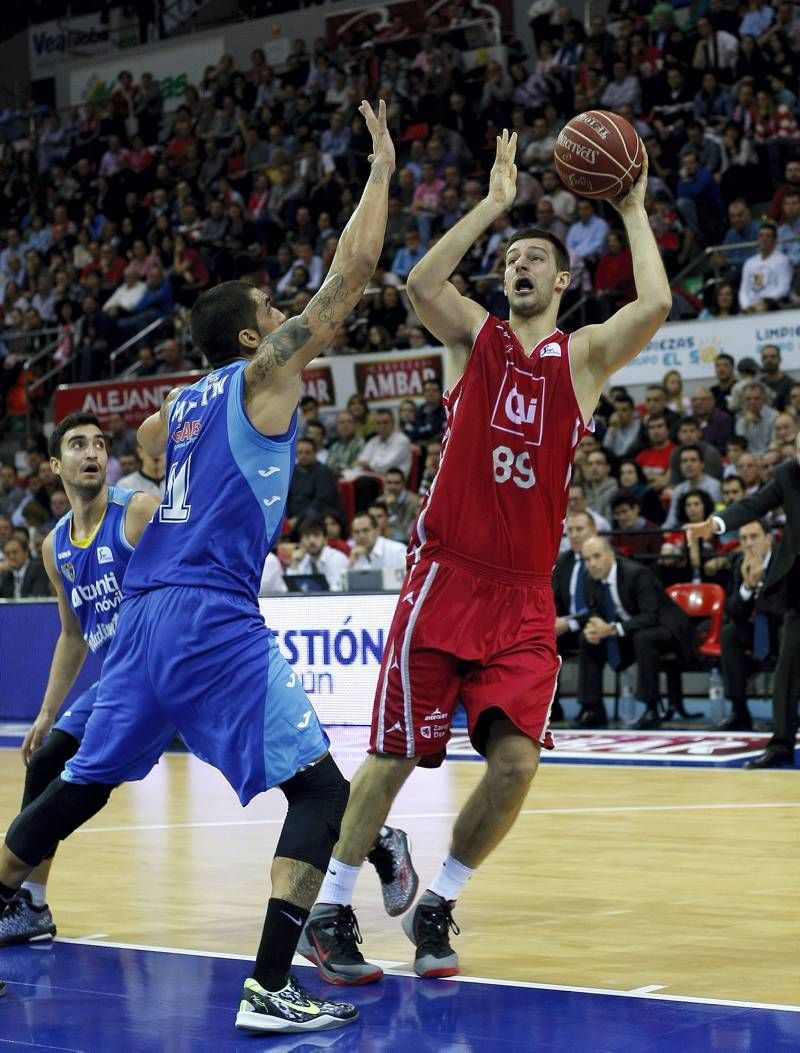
[[311, 525], [310, 443], [624, 497], [624, 398], [739, 440], [641, 478], [308, 400], [656, 387], [657, 417], [72, 420], [692, 447], [365, 515], [217, 318], [524, 233], [396, 471], [18, 537], [689, 419], [724, 354], [379, 503], [708, 504]]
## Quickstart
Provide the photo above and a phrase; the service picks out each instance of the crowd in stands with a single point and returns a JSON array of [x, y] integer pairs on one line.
[[116, 216]]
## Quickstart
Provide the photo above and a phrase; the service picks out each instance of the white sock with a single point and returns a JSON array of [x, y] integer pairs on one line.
[[38, 892], [339, 883], [451, 879]]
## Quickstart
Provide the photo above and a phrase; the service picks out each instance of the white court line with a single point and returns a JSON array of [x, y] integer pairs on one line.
[[647, 990], [637, 993], [599, 810]]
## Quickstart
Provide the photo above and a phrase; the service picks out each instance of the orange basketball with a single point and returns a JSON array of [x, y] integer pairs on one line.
[[598, 154]]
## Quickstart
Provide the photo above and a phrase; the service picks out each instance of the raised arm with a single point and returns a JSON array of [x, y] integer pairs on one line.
[[284, 353], [599, 350], [68, 657], [452, 318], [152, 433]]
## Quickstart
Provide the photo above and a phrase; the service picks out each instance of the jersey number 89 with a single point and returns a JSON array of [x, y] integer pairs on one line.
[[516, 467]]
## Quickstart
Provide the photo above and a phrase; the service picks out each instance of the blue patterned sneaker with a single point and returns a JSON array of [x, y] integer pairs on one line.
[[289, 1010], [21, 922], [391, 857]]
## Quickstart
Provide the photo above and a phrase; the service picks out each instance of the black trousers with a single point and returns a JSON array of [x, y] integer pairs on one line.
[[567, 646], [641, 649], [786, 683], [737, 664]]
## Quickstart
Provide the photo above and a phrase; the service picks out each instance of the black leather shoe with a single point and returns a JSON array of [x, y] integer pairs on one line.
[[648, 719], [773, 758], [591, 717], [735, 722]]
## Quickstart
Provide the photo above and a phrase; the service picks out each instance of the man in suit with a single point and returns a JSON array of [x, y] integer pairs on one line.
[[783, 491], [22, 576], [631, 620], [569, 592], [751, 634]]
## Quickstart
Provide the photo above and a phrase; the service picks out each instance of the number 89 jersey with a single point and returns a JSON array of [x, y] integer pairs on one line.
[[225, 497], [499, 497]]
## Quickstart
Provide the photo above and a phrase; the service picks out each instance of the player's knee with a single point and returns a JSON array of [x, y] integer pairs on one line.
[[53, 816], [47, 763], [317, 800], [511, 772]]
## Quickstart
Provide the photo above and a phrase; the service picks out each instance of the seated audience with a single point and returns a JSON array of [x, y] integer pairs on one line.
[[314, 555], [313, 487], [22, 576], [371, 551], [692, 469], [569, 591]]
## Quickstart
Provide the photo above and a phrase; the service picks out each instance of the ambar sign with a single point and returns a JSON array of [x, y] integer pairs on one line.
[[397, 378]]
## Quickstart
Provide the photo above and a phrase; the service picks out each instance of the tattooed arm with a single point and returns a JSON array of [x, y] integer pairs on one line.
[[272, 377]]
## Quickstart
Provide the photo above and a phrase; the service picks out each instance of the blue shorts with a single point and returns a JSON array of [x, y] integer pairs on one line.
[[73, 719], [200, 662]]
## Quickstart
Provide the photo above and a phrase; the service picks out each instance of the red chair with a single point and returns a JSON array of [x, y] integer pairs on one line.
[[702, 601]]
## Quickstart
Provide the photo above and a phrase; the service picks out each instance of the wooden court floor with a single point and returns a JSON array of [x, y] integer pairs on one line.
[[613, 877]]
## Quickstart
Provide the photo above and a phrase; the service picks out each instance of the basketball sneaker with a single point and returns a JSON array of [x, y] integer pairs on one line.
[[391, 857], [330, 940], [289, 1010], [21, 922], [429, 926]]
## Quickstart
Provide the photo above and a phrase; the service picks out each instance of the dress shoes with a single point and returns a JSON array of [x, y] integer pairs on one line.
[[591, 717], [775, 757], [648, 719], [736, 722]]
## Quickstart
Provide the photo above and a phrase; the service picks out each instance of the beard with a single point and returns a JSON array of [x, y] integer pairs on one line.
[[528, 306]]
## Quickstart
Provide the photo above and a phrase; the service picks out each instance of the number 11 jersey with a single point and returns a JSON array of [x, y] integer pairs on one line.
[[499, 498]]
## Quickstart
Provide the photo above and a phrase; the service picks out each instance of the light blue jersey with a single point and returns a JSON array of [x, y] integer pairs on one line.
[[92, 570], [226, 493]]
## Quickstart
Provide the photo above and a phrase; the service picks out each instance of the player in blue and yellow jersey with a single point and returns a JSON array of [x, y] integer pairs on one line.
[[86, 556], [192, 653]]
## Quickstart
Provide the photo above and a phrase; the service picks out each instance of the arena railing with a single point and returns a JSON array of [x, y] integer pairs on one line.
[[146, 331]]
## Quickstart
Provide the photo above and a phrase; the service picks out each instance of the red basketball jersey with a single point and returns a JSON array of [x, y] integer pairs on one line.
[[499, 497]]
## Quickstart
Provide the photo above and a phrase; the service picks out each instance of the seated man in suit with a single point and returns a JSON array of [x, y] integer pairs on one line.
[[632, 620], [752, 633], [22, 576], [569, 592]]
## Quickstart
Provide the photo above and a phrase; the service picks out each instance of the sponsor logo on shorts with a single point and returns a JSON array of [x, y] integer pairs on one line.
[[104, 554], [437, 715], [434, 731]]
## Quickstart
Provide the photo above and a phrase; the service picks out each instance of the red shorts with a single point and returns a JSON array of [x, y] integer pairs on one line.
[[459, 637]]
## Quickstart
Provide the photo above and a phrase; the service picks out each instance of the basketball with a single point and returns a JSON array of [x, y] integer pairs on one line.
[[598, 154]]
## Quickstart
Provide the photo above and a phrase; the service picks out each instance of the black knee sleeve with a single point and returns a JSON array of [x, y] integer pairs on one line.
[[46, 763], [317, 799], [52, 816]]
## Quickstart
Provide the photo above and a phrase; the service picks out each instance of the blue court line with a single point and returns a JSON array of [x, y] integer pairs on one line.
[[95, 998]]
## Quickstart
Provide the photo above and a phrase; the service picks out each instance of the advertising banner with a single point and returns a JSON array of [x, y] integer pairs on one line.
[[691, 347], [318, 382], [390, 378], [136, 399], [174, 68], [82, 36]]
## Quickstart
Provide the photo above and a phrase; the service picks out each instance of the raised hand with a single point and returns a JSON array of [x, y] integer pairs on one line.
[[635, 196], [503, 176], [699, 530], [382, 145]]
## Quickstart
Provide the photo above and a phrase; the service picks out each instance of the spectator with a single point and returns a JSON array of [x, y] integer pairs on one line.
[[725, 305], [773, 377], [21, 576], [569, 592], [347, 447], [313, 487], [412, 252], [792, 182], [672, 382], [751, 635], [755, 423], [315, 430], [692, 470], [635, 536], [633, 481], [723, 368], [121, 440], [371, 551], [613, 280], [401, 504], [698, 198], [389, 448], [148, 476], [314, 555], [588, 234], [431, 418], [749, 468], [631, 621], [716, 50], [10, 494], [784, 429], [172, 360], [655, 400], [654, 459], [789, 229], [747, 369], [716, 425], [623, 89], [766, 276], [599, 486], [623, 428], [365, 422], [578, 501], [741, 228], [705, 147], [125, 299]]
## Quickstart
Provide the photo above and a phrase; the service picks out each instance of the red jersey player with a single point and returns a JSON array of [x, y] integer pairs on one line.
[[475, 619]]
